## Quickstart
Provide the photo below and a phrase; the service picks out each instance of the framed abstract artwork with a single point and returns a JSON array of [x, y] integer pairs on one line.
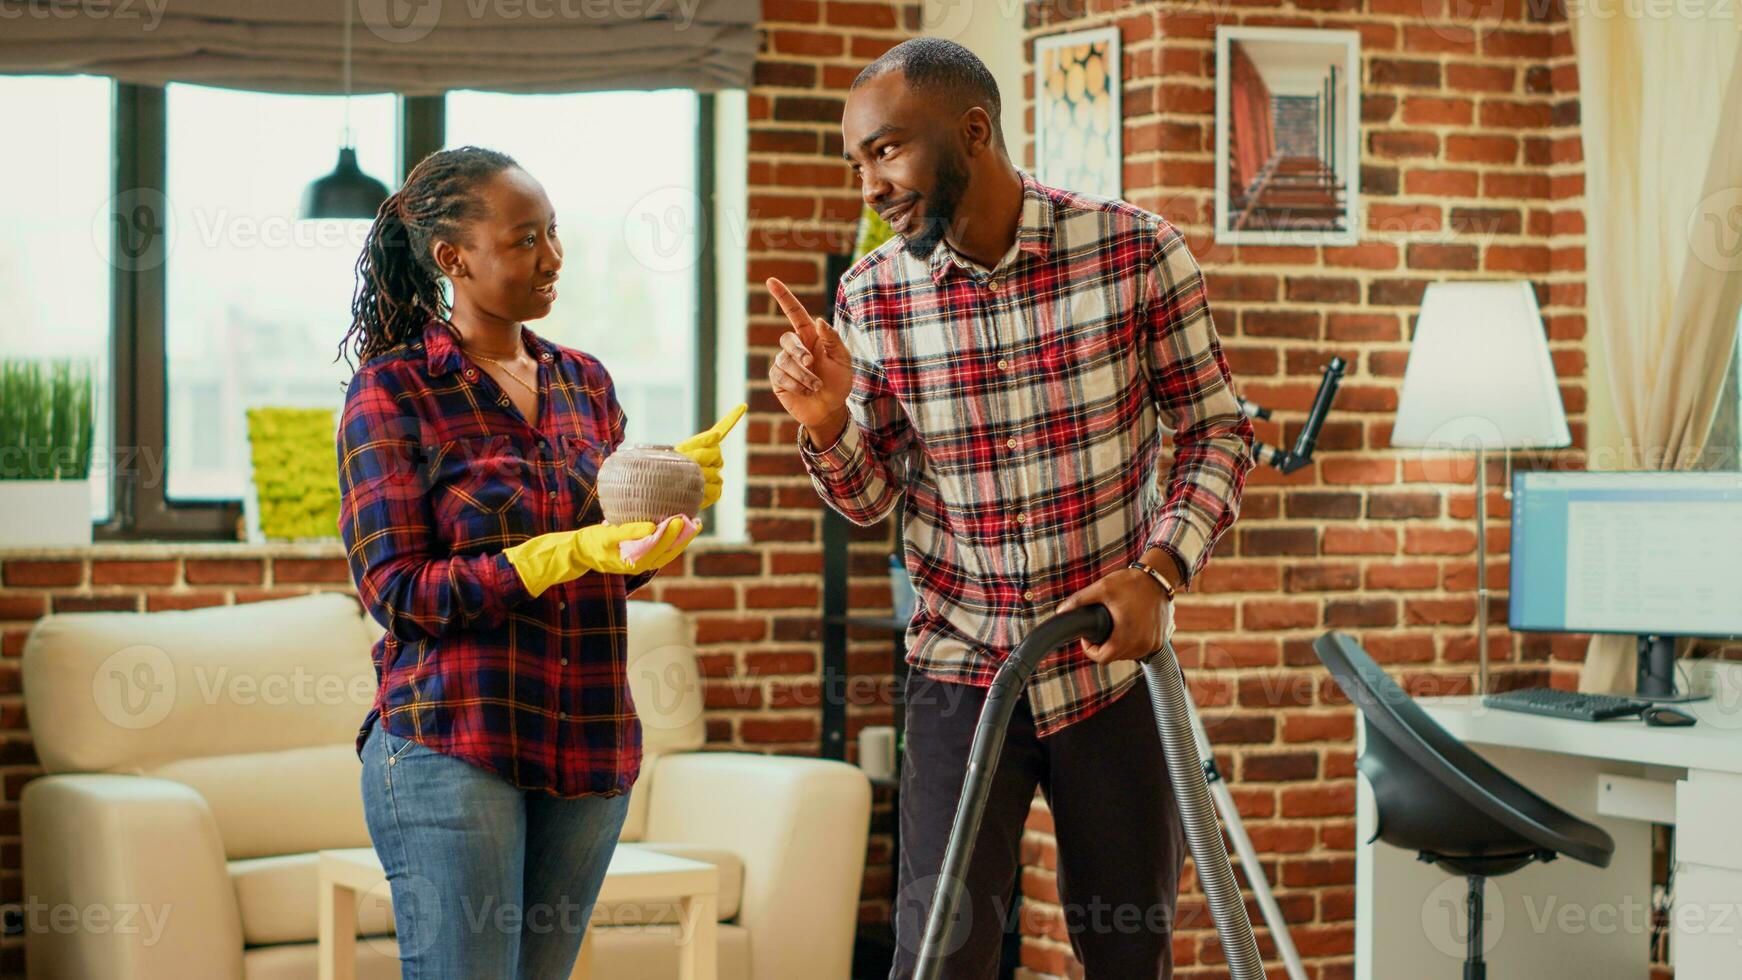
[[1076, 112], [1288, 136]]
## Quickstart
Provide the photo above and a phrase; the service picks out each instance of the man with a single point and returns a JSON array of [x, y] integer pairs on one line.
[[1005, 362]]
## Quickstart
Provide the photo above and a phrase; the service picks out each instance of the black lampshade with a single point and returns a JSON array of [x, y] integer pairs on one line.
[[347, 192]]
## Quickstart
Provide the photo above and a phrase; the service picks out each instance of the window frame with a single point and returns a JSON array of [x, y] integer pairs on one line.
[[141, 507]]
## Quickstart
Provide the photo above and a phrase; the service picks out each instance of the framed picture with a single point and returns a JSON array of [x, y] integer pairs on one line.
[[1076, 112], [1288, 136]]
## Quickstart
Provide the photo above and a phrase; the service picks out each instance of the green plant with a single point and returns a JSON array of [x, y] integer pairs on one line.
[[873, 231], [296, 477], [45, 419]]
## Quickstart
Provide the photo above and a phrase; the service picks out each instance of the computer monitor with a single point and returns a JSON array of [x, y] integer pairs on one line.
[[1652, 554]]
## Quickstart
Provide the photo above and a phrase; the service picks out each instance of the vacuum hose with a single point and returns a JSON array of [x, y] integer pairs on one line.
[[1197, 812], [1167, 695]]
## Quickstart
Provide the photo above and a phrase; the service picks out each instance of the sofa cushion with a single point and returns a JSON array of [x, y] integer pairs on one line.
[[731, 894], [667, 690], [279, 898], [377, 959], [125, 692], [283, 802]]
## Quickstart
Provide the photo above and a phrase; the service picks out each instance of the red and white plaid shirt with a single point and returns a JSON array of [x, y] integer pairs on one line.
[[1020, 408]]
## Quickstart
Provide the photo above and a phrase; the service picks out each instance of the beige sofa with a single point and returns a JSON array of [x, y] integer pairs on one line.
[[196, 761]]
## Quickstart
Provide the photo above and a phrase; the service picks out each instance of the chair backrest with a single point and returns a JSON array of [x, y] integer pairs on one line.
[[1435, 793], [667, 687], [257, 705]]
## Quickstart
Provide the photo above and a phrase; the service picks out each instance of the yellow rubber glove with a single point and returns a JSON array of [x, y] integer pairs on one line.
[[704, 449], [563, 556]]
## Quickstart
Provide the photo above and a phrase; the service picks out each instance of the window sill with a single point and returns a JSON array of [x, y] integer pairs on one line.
[[141, 550]]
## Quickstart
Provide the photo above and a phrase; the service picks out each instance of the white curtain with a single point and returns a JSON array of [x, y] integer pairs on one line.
[[1661, 112], [415, 47]]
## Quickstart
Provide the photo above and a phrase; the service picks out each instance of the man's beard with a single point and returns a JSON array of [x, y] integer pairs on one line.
[[940, 208]]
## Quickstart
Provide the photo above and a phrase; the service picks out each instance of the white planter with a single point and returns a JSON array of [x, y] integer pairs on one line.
[[40, 513]]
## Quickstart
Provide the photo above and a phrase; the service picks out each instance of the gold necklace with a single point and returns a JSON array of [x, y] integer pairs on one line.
[[506, 371]]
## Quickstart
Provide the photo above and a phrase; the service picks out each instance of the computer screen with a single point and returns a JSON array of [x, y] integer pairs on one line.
[[1633, 552]]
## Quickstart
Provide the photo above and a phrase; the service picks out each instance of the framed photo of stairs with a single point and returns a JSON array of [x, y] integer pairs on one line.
[[1288, 136]]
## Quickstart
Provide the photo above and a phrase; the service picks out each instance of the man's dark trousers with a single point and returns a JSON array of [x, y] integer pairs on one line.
[[1120, 844]]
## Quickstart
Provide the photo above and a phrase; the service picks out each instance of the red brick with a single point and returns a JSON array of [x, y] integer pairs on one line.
[[23, 606], [159, 601], [1367, 255], [785, 596], [224, 571], [761, 664], [1358, 541], [27, 573], [152, 572], [298, 571], [1358, 471], [1435, 257], [1299, 727], [1441, 183], [695, 598], [1438, 541], [1423, 111], [1271, 614], [717, 629], [1402, 577], [1319, 801], [1481, 78], [773, 730]]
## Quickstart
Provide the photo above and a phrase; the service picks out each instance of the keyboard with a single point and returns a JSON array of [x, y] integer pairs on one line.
[[1565, 704]]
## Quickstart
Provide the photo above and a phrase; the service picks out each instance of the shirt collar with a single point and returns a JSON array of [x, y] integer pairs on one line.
[[441, 347], [1034, 231]]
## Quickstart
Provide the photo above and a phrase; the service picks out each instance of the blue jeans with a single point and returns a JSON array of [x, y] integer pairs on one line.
[[487, 880]]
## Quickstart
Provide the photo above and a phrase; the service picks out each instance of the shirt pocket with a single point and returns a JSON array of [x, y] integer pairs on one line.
[[481, 497], [581, 458]]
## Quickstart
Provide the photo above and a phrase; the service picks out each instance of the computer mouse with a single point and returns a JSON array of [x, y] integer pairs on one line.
[[1662, 717]]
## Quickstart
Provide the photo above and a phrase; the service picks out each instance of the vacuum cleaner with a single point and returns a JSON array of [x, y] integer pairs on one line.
[[1168, 697]]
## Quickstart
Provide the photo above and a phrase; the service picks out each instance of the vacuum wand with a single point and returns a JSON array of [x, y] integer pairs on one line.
[[1197, 812]]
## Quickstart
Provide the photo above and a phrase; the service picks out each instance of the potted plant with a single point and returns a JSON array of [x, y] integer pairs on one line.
[[45, 452]]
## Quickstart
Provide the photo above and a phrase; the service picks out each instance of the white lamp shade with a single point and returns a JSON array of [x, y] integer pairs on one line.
[[1479, 373]]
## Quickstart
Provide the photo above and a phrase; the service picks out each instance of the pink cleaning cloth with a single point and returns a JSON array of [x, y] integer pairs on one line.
[[634, 551]]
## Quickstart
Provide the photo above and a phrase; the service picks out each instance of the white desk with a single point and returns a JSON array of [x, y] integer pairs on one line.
[[1564, 918]]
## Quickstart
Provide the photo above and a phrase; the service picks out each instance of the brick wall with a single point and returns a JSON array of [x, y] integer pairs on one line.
[[1470, 167]]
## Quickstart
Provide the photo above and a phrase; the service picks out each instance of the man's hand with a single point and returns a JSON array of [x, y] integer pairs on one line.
[[1140, 614], [813, 374]]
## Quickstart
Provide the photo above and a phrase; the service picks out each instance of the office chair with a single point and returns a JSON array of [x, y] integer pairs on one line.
[[1440, 799]]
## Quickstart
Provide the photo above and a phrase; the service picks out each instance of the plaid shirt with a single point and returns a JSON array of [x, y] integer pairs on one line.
[[1020, 409], [438, 473]]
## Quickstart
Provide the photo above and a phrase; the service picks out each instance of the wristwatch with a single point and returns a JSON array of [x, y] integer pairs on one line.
[[1166, 587]]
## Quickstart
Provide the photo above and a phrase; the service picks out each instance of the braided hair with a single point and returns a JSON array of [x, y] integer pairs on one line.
[[399, 287]]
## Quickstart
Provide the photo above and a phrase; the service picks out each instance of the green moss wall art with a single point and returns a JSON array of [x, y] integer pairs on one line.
[[294, 477]]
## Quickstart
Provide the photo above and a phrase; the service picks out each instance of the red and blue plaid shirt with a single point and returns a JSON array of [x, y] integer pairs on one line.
[[438, 473], [1020, 409]]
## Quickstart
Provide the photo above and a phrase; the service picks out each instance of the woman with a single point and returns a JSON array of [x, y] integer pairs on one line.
[[499, 752]]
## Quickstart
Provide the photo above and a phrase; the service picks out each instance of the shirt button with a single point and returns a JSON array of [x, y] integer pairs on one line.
[[502, 400], [1022, 518], [1003, 364], [1029, 595], [471, 375], [551, 495], [565, 661], [562, 605], [1010, 444], [545, 357], [562, 716], [992, 285]]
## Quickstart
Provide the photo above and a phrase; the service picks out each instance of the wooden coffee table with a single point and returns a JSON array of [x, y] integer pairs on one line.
[[636, 875]]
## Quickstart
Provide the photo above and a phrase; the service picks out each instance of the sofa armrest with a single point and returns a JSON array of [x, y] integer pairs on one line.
[[800, 827], [124, 876]]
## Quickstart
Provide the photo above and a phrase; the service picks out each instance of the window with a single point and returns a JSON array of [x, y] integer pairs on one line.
[[231, 301], [628, 221], [55, 282], [256, 299]]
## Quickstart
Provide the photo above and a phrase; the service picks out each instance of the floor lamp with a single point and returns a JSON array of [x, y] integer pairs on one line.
[[1479, 378]]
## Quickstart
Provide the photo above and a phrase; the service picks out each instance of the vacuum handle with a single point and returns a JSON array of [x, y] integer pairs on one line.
[[1093, 623]]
